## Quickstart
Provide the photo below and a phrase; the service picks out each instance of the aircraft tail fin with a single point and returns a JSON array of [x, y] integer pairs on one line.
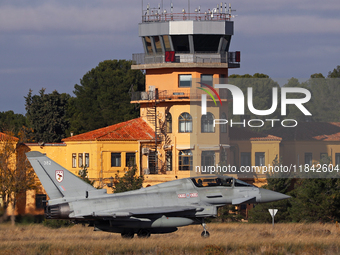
[[56, 180]]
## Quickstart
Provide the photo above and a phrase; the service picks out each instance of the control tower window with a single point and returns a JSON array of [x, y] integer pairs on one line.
[[167, 44], [181, 43], [206, 43], [207, 79], [224, 44], [158, 44], [148, 44], [184, 80]]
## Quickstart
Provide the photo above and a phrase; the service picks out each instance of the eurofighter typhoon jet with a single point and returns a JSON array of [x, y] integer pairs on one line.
[[156, 209]]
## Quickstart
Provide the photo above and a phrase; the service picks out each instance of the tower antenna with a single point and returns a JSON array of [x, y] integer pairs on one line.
[[189, 8], [230, 10]]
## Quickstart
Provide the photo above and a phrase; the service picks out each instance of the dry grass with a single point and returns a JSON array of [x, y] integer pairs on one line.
[[224, 239]]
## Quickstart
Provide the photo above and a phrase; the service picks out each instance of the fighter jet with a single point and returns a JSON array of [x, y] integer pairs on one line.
[[156, 209]]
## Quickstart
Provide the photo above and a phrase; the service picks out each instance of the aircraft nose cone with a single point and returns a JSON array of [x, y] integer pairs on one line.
[[271, 196]]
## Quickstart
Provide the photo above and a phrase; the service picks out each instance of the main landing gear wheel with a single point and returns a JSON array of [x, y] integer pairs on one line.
[[128, 235], [143, 233], [205, 234]]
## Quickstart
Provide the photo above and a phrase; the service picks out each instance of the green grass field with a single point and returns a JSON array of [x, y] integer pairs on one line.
[[234, 238]]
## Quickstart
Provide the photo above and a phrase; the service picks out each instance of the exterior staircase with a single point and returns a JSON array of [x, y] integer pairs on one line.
[[156, 164]]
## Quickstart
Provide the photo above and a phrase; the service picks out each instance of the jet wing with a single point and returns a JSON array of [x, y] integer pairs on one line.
[[237, 201], [144, 211]]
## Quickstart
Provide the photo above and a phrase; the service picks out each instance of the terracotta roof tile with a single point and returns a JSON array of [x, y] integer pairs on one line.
[[309, 131], [4, 136], [237, 134], [132, 130]]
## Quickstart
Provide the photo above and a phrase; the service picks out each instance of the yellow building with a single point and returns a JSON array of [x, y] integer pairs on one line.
[[104, 152], [251, 151], [310, 143]]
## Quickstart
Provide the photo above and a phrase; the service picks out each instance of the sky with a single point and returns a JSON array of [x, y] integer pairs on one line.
[[52, 44]]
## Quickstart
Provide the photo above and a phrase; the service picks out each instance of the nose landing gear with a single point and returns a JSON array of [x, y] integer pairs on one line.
[[205, 233]]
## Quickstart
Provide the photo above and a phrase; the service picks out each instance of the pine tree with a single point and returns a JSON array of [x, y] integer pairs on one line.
[[130, 181], [103, 96], [46, 114], [316, 200]]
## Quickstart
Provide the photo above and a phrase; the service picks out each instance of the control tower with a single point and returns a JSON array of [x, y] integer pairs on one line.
[[182, 51]]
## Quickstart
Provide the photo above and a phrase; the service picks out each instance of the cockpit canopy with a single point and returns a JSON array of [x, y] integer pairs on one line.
[[214, 181]]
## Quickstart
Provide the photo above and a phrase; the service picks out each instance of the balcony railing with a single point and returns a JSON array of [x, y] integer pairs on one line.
[[228, 57], [170, 95], [186, 16]]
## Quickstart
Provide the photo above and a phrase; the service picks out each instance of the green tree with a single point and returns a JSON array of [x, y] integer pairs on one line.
[[325, 99], [316, 200], [130, 181], [83, 173], [311, 199], [12, 121], [324, 103], [335, 73], [103, 97], [317, 75], [46, 114]]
